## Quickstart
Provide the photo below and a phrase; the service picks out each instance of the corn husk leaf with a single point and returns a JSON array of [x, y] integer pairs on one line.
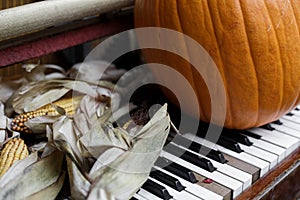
[[38, 147], [90, 110], [37, 72], [38, 124], [126, 174], [22, 99], [45, 98], [8, 87], [3, 118], [91, 70], [51, 191], [3, 124], [79, 185], [64, 138], [37, 94], [103, 137], [33, 176], [17, 168]]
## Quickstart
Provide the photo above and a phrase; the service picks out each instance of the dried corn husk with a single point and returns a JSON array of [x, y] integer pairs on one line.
[[36, 121], [91, 71], [32, 73], [126, 174], [123, 161], [103, 161], [3, 124], [35, 177], [37, 94], [51, 191]]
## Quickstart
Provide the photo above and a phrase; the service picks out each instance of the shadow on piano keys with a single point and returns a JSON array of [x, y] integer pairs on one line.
[[259, 163]]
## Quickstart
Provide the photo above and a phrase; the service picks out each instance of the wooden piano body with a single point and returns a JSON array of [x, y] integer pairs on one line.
[[19, 45]]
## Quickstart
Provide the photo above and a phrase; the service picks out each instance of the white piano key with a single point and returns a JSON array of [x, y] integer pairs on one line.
[[139, 197], [269, 147], [175, 194], [293, 118], [296, 112], [287, 130], [235, 173], [147, 195], [290, 124], [264, 155], [194, 189], [261, 164], [235, 185], [278, 138]]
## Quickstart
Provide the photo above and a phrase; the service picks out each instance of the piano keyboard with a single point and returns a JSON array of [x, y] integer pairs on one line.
[[237, 161]]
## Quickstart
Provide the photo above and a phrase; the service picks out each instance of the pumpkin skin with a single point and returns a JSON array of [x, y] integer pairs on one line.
[[254, 43]]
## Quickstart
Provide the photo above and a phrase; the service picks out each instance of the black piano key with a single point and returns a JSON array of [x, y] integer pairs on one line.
[[250, 134], [190, 157], [133, 198], [176, 169], [166, 179], [198, 148], [278, 122], [213, 154], [156, 189], [268, 127], [297, 109], [237, 136], [290, 114], [229, 144]]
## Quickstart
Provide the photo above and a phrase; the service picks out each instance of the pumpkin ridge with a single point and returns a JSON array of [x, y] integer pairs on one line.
[[190, 66], [296, 23], [192, 81], [253, 62], [294, 14], [281, 64], [228, 103], [230, 95]]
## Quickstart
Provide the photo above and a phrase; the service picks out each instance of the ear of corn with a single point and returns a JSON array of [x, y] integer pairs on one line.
[[69, 106], [13, 151]]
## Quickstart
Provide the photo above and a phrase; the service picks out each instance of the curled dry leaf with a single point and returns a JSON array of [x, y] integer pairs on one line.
[[34, 95], [3, 123], [94, 70], [123, 162], [102, 137], [126, 174], [51, 191], [79, 185], [37, 72]]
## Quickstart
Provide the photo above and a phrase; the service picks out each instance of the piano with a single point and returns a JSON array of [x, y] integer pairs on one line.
[[260, 163]]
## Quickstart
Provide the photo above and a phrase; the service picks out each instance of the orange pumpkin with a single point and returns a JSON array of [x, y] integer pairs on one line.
[[254, 43]]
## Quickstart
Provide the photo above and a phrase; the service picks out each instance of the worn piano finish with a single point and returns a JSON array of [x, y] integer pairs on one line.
[[283, 182]]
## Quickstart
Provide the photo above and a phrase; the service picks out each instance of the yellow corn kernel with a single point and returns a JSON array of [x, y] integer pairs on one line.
[[68, 105], [13, 151]]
